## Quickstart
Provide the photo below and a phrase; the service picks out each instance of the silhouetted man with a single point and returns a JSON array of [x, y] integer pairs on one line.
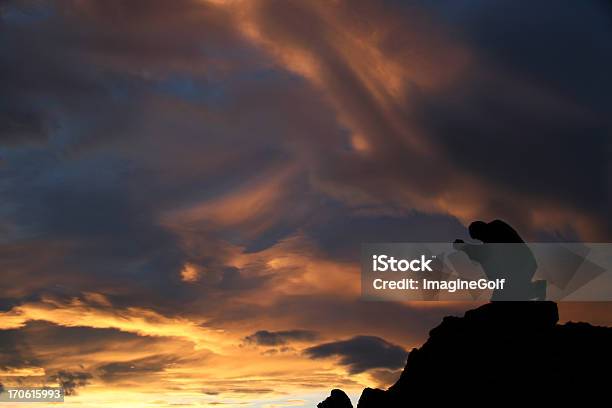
[[504, 255]]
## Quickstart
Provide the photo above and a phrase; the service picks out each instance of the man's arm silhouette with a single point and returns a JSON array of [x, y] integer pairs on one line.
[[475, 252]]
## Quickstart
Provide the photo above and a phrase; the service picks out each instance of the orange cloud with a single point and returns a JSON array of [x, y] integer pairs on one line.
[[76, 313]]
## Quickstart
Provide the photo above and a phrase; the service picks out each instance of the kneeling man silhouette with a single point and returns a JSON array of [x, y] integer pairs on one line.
[[504, 255]]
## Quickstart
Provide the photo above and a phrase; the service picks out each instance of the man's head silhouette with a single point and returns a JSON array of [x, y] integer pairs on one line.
[[478, 230]]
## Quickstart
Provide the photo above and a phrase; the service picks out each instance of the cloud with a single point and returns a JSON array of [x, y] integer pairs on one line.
[[15, 353], [339, 232], [434, 124], [75, 313], [186, 173], [127, 370], [276, 338], [385, 378], [362, 353], [70, 381]]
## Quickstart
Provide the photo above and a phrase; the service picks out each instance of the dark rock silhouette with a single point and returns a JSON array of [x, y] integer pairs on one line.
[[503, 353], [337, 399]]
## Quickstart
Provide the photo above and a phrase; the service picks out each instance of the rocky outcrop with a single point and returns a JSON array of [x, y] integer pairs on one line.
[[503, 353], [337, 399]]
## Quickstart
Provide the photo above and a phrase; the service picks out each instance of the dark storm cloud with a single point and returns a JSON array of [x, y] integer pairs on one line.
[[276, 338], [504, 141], [408, 324], [80, 197], [43, 344], [14, 351], [139, 120], [338, 233], [70, 381], [497, 104], [140, 136], [99, 88], [44, 79], [234, 279], [362, 353], [568, 51], [95, 86], [74, 357], [556, 125], [21, 125], [126, 370], [55, 340], [535, 104]]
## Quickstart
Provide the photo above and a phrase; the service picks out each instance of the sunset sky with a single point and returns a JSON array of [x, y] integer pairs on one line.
[[185, 185]]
